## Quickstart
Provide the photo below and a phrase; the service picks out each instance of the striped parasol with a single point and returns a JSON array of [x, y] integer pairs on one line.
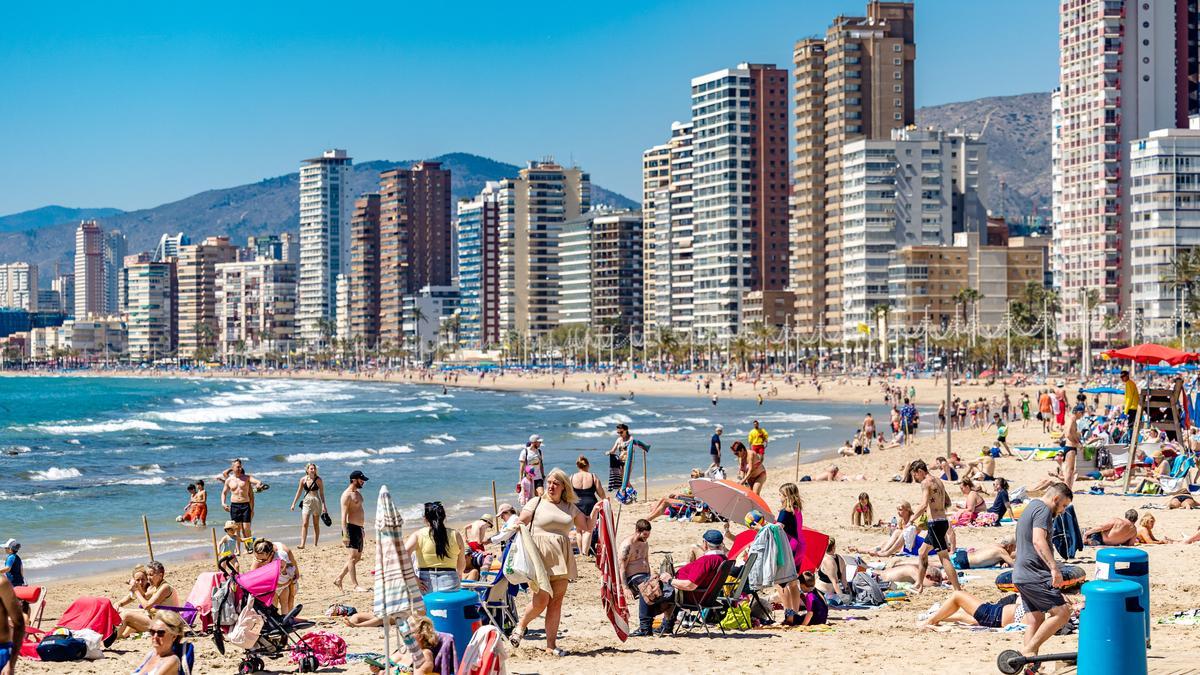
[[612, 594], [397, 590]]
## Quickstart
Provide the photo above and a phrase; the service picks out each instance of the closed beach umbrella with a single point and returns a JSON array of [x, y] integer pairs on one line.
[[397, 590], [729, 499]]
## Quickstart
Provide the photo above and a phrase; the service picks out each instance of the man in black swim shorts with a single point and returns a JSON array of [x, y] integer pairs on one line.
[[935, 500]]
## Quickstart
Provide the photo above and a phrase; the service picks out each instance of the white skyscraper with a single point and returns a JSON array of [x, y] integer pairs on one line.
[[19, 286], [325, 204]]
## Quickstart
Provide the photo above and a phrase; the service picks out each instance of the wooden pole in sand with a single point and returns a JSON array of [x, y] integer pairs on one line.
[[797, 479], [495, 507], [216, 555], [645, 474], [146, 529]]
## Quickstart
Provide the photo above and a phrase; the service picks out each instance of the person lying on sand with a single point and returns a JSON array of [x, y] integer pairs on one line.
[[962, 607], [1116, 532], [1145, 531], [934, 576], [989, 555], [1184, 501], [832, 474]]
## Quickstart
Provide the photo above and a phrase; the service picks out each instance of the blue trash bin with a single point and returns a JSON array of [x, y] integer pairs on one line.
[[1131, 564], [454, 612], [1110, 629]]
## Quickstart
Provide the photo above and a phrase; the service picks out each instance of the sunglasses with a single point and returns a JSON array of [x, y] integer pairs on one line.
[[158, 633]]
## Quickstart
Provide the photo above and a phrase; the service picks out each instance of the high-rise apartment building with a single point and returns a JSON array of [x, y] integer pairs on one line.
[[671, 273], [740, 194], [1126, 68], [600, 268], [148, 309], [123, 279], [856, 83], [89, 270], [656, 178], [196, 271], [19, 286], [115, 248], [415, 236], [479, 268], [362, 281], [325, 202], [532, 208], [916, 189], [1165, 224], [64, 284], [168, 246], [255, 305]]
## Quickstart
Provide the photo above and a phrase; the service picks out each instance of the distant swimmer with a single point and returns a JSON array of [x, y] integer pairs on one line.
[[714, 399]]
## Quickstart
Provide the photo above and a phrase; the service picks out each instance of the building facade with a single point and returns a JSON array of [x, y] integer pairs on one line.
[[255, 304], [89, 270], [115, 249], [670, 275], [148, 309], [196, 271], [414, 239], [362, 281], [532, 208], [909, 190], [1165, 225], [19, 286], [600, 269], [325, 202], [478, 244], [168, 246], [427, 317], [740, 198], [1126, 68], [855, 83], [656, 180]]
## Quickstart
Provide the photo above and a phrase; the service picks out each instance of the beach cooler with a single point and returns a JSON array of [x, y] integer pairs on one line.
[[1130, 564], [1110, 629], [456, 613]]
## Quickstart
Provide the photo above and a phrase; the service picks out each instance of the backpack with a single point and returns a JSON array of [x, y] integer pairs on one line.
[[61, 648], [1103, 458], [225, 611], [866, 590]]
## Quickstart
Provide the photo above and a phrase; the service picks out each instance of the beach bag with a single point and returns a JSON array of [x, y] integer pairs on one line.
[[866, 590], [224, 610], [650, 590], [1103, 458], [737, 618], [246, 630], [329, 648], [516, 564], [95, 643], [62, 647]]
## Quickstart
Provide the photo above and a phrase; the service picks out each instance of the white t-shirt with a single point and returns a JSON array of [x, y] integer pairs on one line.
[[533, 458]]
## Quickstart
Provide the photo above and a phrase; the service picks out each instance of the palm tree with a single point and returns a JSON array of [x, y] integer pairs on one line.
[[665, 341], [741, 351], [763, 334]]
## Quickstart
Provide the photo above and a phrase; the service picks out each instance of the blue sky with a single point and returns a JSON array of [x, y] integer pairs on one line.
[[132, 104]]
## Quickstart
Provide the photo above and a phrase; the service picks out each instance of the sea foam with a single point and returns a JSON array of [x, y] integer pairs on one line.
[[55, 473], [99, 427]]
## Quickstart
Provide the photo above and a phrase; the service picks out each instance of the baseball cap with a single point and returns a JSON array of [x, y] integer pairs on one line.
[[505, 508], [713, 537], [358, 475], [535, 439], [720, 428], [12, 543]]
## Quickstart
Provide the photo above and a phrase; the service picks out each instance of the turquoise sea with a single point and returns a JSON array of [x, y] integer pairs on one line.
[[82, 458]]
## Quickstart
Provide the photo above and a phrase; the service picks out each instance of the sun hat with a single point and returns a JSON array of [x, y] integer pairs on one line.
[[230, 525]]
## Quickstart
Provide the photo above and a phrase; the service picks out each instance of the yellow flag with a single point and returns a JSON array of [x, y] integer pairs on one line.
[[864, 328]]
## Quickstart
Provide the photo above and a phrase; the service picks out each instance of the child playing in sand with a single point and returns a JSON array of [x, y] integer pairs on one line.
[[863, 514], [427, 640], [816, 611]]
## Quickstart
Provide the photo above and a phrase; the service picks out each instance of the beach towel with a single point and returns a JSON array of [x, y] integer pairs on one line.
[[485, 654], [97, 614], [1067, 538], [774, 564], [446, 656], [397, 590], [329, 648], [201, 595]]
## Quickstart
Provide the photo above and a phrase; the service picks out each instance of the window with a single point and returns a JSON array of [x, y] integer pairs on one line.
[[896, 116], [895, 62], [897, 102], [897, 88], [896, 75], [897, 48]]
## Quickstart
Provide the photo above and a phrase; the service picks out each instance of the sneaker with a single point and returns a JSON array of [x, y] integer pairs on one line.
[[642, 632]]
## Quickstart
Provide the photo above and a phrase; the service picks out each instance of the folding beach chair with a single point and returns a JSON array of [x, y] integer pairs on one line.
[[692, 606], [496, 597], [733, 591], [36, 597]]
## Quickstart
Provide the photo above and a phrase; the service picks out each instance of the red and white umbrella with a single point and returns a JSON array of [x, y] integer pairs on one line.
[[729, 499], [612, 592]]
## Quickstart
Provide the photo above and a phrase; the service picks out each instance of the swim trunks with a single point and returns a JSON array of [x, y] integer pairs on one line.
[[6, 652], [1094, 539], [239, 512], [1040, 597], [960, 560], [354, 536], [990, 614], [936, 537]]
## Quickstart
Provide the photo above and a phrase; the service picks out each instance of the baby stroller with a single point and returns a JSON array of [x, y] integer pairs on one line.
[[244, 615]]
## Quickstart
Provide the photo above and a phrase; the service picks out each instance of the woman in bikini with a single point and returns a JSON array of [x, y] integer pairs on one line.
[[166, 650], [310, 493], [589, 491], [751, 471]]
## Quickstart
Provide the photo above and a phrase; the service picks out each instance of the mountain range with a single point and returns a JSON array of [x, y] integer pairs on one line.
[[1016, 129], [270, 206]]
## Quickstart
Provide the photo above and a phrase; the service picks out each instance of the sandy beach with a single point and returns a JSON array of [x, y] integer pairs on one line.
[[884, 640]]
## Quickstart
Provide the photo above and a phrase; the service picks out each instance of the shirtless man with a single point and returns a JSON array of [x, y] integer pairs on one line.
[[910, 573], [1071, 452], [12, 627], [988, 555], [1116, 532], [353, 518], [633, 556], [239, 486], [933, 499]]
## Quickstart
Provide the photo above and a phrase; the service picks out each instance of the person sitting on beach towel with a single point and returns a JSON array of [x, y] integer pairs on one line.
[[157, 592], [962, 607], [899, 539]]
